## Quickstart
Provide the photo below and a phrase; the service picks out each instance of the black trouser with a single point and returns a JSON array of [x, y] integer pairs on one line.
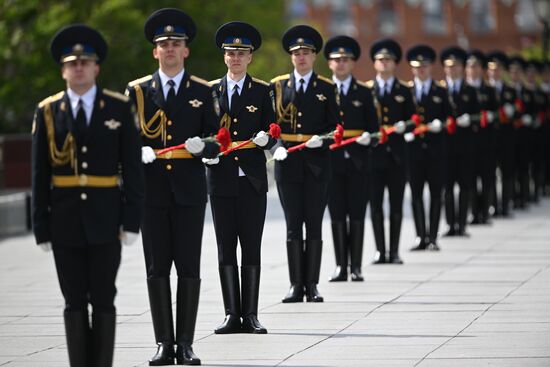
[[304, 204], [484, 174], [428, 169], [173, 235], [348, 194], [506, 155], [523, 155], [87, 274], [239, 218], [459, 171]]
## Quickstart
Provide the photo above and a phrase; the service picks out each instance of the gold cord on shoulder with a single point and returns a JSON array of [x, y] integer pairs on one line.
[[67, 154], [146, 127], [284, 114]]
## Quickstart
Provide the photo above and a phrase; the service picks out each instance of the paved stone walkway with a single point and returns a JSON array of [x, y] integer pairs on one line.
[[483, 301]]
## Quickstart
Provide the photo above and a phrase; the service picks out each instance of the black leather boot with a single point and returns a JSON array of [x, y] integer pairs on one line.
[[395, 233], [377, 219], [103, 338], [186, 318], [339, 237], [356, 233], [314, 250], [77, 330], [435, 214], [450, 214], [295, 256], [160, 301], [250, 277], [229, 278], [420, 243], [463, 200], [507, 195]]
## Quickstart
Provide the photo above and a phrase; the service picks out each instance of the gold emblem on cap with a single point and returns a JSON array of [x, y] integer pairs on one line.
[[341, 50], [300, 40], [78, 48], [237, 40], [169, 28]]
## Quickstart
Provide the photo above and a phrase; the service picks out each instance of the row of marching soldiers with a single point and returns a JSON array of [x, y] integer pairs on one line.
[[106, 165]]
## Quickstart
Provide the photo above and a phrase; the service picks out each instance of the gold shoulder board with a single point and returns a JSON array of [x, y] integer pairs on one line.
[[280, 77], [140, 80], [200, 81], [325, 79], [51, 99], [215, 81], [260, 81], [116, 95]]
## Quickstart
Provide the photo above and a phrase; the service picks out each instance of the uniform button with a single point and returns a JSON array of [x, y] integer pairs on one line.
[[84, 149], [169, 122], [84, 165], [386, 119], [235, 120], [386, 109], [341, 113], [235, 133], [169, 167], [421, 109], [169, 137], [388, 149], [83, 196], [299, 125], [299, 114], [236, 158]]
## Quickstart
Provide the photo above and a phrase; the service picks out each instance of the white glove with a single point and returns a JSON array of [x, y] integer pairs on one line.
[[400, 127], [211, 161], [127, 238], [261, 139], [280, 154], [527, 120], [45, 246], [435, 126], [364, 139], [409, 137], [490, 116], [463, 120], [194, 145], [314, 142], [509, 110], [147, 155]]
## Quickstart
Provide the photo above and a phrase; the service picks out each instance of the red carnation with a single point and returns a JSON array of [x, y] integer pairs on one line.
[[519, 105], [502, 115], [484, 119], [339, 134], [417, 119], [223, 138], [383, 136], [451, 125], [274, 131]]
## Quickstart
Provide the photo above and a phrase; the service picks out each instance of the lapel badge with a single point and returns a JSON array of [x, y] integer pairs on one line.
[[465, 98], [195, 103], [112, 124], [321, 97], [357, 103], [251, 108], [62, 106], [400, 98], [101, 104], [436, 99]]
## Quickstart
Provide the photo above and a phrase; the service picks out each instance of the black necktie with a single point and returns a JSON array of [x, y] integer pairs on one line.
[[171, 97], [381, 90], [81, 124], [341, 91], [235, 98], [301, 88]]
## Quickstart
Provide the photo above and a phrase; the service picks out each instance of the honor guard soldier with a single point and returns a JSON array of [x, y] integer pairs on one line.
[[484, 138], [532, 76], [505, 134], [237, 182], [349, 185], [545, 86], [87, 191], [427, 152], [306, 107], [460, 148], [173, 107], [523, 125], [389, 161]]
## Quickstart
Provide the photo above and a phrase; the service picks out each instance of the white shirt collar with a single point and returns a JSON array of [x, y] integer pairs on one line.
[[419, 84], [88, 100], [306, 78], [231, 84], [476, 83], [385, 83], [165, 78], [344, 84], [454, 84]]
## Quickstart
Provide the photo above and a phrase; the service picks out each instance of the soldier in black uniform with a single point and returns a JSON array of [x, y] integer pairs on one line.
[[87, 191], [389, 161], [484, 138], [427, 153], [524, 128], [237, 182], [545, 86], [505, 145], [306, 106], [173, 107], [460, 148], [349, 185]]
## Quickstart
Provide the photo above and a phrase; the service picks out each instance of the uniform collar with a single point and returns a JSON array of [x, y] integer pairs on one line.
[[231, 84], [343, 84], [306, 78], [176, 78], [385, 83], [87, 98]]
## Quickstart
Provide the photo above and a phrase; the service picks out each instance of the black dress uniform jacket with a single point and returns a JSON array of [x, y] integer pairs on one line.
[[194, 115], [313, 113], [254, 112], [86, 214]]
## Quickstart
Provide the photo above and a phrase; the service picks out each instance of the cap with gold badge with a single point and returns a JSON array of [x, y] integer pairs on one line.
[[386, 48], [342, 46], [497, 58], [453, 55], [170, 23], [78, 42], [238, 36], [476, 57], [517, 61], [421, 55], [302, 36]]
